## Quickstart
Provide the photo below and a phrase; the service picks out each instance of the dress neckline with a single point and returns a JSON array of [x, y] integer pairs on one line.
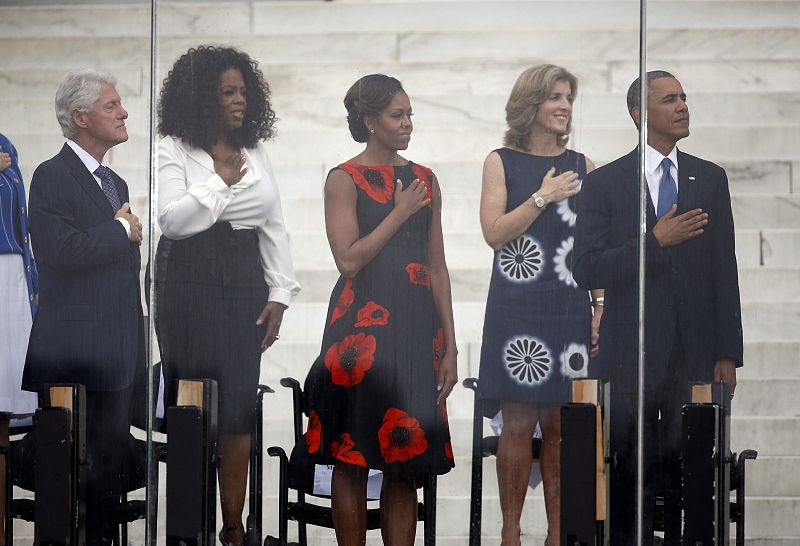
[[356, 164], [566, 150]]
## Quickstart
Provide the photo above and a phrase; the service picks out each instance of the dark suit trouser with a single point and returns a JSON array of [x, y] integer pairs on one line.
[[107, 450], [662, 433]]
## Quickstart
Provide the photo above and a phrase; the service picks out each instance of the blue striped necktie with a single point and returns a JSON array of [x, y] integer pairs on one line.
[[109, 188], [667, 190]]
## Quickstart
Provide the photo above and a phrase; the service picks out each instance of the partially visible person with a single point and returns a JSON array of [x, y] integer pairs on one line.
[[89, 327], [224, 273], [693, 321], [376, 393], [19, 285], [538, 330]]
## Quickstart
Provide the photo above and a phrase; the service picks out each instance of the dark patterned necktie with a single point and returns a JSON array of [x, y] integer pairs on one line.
[[667, 191], [109, 188]]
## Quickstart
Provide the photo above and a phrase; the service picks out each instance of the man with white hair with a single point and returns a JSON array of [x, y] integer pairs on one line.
[[89, 327]]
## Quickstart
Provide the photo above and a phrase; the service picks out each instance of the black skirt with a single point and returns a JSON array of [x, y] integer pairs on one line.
[[210, 290]]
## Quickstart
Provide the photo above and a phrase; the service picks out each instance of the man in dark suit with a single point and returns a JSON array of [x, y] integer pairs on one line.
[[89, 326], [693, 329]]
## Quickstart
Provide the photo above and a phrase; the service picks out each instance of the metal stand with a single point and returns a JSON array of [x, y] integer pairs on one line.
[[192, 464], [253, 534], [710, 471], [59, 462], [584, 487]]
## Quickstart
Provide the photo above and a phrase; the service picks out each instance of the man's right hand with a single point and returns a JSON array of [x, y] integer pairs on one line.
[[133, 221], [672, 230]]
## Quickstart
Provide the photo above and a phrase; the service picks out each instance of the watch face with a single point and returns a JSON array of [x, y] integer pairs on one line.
[[539, 201]]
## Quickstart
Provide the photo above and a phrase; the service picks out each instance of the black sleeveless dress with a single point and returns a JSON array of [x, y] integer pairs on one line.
[[371, 393], [537, 328]]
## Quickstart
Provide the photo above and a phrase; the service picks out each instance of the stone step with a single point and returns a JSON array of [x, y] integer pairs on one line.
[[463, 144], [766, 476], [303, 182], [310, 250], [508, 16], [781, 247], [769, 435], [763, 360], [428, 77], [461, 213], [273, 17], [31, 92], [562, 46], [756, 284]]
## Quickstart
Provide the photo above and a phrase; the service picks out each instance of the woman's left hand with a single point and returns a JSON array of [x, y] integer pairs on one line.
[[447, 377], [272, 314]]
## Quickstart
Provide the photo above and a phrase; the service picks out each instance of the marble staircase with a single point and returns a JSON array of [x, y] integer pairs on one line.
[[739, 61]]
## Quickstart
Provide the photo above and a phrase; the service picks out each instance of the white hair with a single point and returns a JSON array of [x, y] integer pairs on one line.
[[80, 89]]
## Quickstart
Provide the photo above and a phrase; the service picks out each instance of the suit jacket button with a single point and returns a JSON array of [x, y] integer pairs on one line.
[[30, 297]]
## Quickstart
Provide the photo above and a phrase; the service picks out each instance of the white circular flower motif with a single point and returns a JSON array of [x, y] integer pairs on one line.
[[527, 360], [563, 262], [567, 215], [575, 361], [521, 260]]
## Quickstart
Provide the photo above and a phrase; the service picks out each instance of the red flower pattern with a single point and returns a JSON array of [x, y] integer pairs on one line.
[[348, 360], [448, 450], [343, 451], [400, 436], [372, 314], [424, 175], [418, 274], [376, 181], [344, 302], [314, 432]]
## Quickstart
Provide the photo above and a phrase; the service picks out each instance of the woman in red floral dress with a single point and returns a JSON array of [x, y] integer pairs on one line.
[[376, 394]]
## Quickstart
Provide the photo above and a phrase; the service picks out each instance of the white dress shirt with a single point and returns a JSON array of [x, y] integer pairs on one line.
[[653, 170], [92, 164], [192, 197]]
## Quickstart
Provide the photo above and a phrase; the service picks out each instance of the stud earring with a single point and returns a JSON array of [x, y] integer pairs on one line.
[[372, 131]]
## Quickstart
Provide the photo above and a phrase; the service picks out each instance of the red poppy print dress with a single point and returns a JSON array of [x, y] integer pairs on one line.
[[371, 393]]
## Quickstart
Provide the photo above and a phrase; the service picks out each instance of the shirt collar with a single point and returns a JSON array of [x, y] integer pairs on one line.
[[653, 158], [85, 157]]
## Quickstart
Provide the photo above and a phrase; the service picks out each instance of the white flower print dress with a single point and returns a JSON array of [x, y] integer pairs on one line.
[[537, 327]]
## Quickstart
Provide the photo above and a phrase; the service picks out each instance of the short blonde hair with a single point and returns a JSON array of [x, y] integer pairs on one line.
[[530, 90]]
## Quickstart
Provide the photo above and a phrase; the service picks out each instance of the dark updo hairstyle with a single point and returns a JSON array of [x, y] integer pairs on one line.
[[189, 105], [368, 97]]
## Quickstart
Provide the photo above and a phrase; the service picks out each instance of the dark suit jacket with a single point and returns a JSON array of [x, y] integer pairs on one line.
[[691, 289], [89, 327]]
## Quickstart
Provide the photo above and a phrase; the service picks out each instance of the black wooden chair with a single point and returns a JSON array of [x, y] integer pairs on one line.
[[297, 474], [482, 447], [25, 451]]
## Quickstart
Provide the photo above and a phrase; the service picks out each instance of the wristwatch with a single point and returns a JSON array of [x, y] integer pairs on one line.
[[539, 201]]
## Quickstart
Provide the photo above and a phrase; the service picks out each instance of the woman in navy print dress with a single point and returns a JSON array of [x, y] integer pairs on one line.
[[538, 331], [376, 394]]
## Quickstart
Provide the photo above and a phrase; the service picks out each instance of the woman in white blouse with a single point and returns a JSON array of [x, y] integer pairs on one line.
[[223, 270]]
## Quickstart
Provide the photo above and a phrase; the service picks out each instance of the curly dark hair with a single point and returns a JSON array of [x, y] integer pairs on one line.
[[368, 97], [189, 105]]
